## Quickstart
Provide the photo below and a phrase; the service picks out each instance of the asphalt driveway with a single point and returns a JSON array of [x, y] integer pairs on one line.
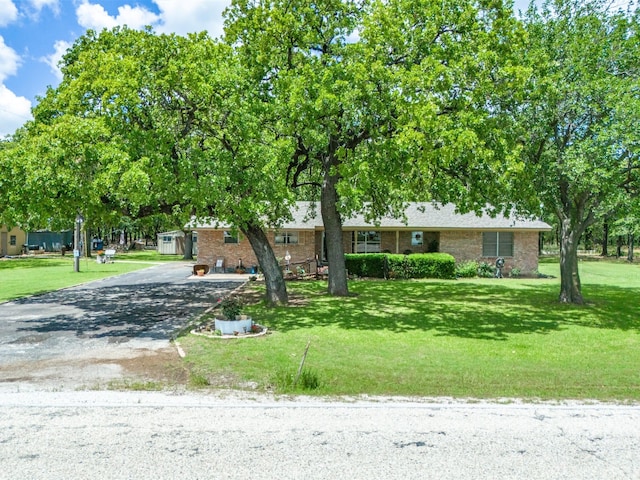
[[77, 335]]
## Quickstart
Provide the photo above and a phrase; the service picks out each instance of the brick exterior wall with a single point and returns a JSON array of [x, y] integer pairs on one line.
[[467, 245], [211, 247], [464, 245]]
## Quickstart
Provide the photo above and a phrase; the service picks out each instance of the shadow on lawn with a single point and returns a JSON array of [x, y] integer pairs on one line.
[[38, 262], [490, 311]]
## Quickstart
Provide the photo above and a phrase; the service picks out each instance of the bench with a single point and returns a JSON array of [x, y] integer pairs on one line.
[[109, 253]]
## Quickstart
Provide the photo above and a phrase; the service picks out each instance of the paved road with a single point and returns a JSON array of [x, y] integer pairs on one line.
[[71, 337], [151, 435]]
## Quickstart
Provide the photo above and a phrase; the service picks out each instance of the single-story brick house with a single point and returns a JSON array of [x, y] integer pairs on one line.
[[428, 228]]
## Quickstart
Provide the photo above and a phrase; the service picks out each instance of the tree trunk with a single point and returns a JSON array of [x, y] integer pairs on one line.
[[333, 235], [188, 246], [87, 244], [631, 246], [605, 240], [273, 279], [619, 247], [540, 243], [570, 288]]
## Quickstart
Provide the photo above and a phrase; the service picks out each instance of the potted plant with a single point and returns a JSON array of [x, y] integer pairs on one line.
[[233, 322], [200, 269]]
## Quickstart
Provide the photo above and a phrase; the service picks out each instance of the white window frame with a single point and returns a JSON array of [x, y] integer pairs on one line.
[[287, 237], [362, 241]]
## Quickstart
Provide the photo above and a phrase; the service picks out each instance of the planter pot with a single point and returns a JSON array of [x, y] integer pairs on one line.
[[197, 268], [232, 327]]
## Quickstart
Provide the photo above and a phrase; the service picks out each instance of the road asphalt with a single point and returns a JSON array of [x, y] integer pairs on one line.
[[142, 435]]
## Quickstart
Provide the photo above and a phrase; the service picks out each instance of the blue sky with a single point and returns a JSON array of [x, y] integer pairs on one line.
[[34, 34]]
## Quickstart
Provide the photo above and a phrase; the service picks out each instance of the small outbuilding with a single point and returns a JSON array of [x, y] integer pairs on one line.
[[11, 240], [173, 243]]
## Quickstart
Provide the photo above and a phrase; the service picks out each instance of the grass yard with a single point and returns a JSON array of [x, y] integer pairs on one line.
[[478, 338], [20, 277]]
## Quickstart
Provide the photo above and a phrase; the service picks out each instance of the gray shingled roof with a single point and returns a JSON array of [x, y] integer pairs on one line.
[[419, 215]]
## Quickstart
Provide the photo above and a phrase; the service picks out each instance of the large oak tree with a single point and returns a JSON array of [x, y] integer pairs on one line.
[[384, 102], [144, 123], [580, 119]]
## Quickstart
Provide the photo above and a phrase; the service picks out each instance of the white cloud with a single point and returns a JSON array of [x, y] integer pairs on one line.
[[9, 61], [53, 5], [14, 111], [188, 16], [60, 49], [94, 16], [180, 17], [8, 12]]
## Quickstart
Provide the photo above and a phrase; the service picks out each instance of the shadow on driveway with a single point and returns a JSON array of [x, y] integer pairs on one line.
[[127, 316], [150, 310]]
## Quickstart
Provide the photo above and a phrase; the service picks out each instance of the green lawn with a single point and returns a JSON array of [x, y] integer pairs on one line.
[[20, 277], [479, 338]]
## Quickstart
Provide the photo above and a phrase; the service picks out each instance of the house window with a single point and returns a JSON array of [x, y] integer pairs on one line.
[[12, 240], [417, 239], [287, 238], [497, 244], [366, 242], [167, 239], [231, 237]]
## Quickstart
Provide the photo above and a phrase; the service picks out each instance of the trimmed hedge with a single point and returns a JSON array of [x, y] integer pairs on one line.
[[366, 264], [419, 265]]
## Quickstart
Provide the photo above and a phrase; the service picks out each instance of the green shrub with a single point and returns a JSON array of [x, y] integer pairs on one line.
[[420, 265], [515, 272], [486, 270], [366, 264], [423, 265], [467, 269]]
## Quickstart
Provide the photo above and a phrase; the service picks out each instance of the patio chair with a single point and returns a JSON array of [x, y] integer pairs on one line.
[[219, 268]]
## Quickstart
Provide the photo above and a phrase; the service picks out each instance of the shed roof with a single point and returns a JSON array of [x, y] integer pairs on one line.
[[172, 233], [419, 215]]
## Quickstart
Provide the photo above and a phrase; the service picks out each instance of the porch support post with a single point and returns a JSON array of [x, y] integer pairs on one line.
[[397, 241]]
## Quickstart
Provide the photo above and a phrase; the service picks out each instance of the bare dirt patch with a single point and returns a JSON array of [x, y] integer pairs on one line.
[[163, 368]]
